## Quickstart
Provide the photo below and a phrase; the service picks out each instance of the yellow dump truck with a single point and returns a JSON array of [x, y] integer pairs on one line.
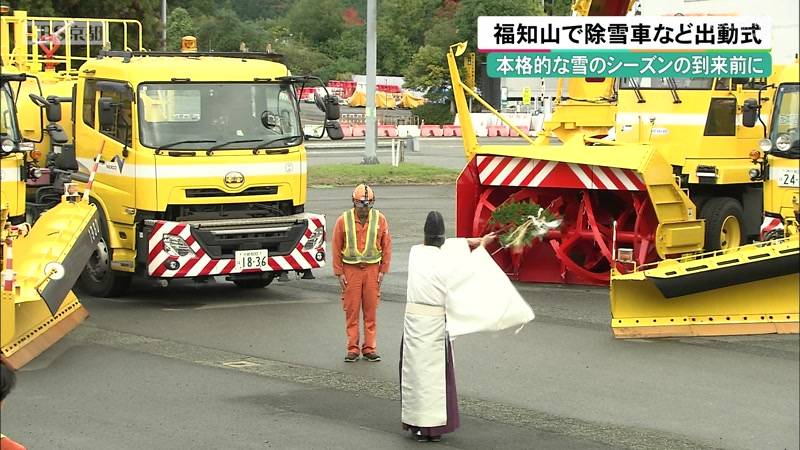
[[42, 263], [201, 168]]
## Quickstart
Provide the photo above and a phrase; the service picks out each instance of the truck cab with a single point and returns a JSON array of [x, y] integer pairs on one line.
[[13, 171], [781, 154], [200, 168]]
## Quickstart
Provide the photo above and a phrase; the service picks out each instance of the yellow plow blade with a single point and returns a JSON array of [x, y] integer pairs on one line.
[[41, 309], [754, 289]]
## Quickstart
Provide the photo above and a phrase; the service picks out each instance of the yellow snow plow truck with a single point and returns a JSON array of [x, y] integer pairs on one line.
[[682, 175], [40, 263], [753, 289], [201, 167], [676, 179]]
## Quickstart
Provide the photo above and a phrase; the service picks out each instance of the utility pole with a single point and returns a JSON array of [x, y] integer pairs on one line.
[[371, 142], [164, 25]]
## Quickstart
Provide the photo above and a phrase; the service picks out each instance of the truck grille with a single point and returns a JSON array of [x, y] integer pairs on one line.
[[214, 192], [279, 239], [248, 210]]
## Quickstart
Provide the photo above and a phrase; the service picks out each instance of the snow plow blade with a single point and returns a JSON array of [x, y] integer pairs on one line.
[[750, 290], [38, 307]]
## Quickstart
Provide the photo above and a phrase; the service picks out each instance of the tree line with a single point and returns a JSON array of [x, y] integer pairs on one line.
[[326, 38]]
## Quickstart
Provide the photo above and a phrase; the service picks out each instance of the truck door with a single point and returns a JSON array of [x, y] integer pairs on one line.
[[107, 124]]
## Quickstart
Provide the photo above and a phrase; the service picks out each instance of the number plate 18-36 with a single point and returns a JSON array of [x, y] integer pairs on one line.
[[252, 259]]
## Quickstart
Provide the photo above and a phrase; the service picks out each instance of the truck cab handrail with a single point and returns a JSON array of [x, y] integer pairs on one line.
[[128, 54]]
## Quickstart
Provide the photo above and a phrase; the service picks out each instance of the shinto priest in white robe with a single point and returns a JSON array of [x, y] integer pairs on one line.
[[452, 291]]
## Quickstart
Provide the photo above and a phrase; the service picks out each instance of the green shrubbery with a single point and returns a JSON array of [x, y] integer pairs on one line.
[[434, 113]]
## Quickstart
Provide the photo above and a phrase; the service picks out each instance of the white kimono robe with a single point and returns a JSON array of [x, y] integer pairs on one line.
[[450, 291]]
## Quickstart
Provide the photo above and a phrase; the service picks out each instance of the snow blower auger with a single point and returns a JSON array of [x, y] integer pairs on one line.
[[589, 182], [41, 264]]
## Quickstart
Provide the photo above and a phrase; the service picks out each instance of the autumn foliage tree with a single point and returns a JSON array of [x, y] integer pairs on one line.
[[324, 37]]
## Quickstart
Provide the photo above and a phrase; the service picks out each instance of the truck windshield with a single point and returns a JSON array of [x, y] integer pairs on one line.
[[201, 115], [8, 120], [785, 118], [665, 84]]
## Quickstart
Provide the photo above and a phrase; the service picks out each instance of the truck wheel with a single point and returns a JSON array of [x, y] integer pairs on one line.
[[724, 221], [253, 283], [97, 278]]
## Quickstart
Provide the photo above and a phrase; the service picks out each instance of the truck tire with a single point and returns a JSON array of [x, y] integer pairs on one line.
[[253, 283], [724, 222], [97, 278]]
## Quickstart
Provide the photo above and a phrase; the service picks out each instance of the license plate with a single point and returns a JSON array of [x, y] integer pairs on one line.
[[786, 177], [251, 259]]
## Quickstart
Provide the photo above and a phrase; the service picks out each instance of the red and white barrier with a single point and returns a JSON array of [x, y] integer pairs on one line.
[[387, 130], [431, 131], [8, 273]]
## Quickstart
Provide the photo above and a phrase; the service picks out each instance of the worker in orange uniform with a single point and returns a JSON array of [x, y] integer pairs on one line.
[[362, 251]]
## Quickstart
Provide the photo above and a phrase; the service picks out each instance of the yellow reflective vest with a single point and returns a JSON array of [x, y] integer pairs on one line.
[[371, 254]]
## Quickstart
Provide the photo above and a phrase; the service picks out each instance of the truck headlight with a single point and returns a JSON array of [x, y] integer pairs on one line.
[[315, 240], [7, 145], [176, 246], [754, 174], [765, 145], [784, 142]]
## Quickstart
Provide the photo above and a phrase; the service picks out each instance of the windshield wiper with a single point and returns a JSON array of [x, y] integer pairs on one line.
[[266, 144], [239, 141], [673, 88], [637, 90], [188, 141]]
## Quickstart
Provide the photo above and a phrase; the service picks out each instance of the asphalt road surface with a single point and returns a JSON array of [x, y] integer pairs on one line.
[[212, 366]]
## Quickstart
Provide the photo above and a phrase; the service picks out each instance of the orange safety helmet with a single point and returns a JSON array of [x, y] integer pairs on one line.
[[363, 194]]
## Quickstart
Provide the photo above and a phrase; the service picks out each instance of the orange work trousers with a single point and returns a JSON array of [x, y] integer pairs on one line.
[[361, 294]]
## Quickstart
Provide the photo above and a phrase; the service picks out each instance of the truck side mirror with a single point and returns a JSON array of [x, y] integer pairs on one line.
[[51, 106], [53, 110], [105, 112], [750, 112], [334, 130], [329, 105], [332, 110]]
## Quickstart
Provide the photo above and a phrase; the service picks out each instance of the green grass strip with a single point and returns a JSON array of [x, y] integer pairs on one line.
[[406, 173]]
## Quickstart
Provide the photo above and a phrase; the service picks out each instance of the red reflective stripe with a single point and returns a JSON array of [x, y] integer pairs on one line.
[[635, 179], [499, 168], [292, 262], [158, 248], [311, 260], [187, 267], [178, 229], [206, 270], [228, 267], [588, 172], [611, 176], [156, 227], [537, 167], [483, 162], [160, 270], [274, 264], [522, 164]]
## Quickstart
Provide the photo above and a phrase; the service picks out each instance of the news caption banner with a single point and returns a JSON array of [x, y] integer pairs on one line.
[[631, 46]]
